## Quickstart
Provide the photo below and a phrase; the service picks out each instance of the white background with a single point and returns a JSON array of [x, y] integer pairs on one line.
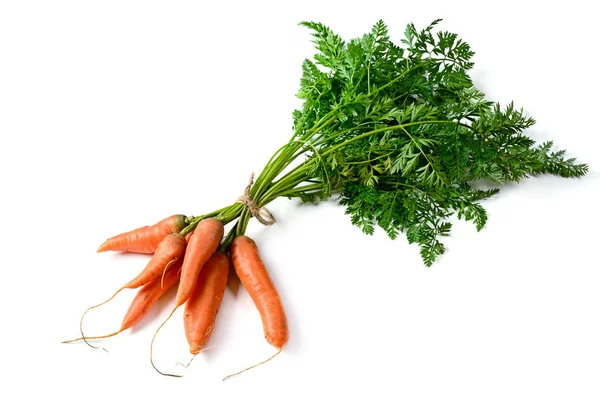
[[116, 114]]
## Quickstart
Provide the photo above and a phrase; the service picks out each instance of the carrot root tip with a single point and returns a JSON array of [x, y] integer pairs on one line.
[[195, 348], [253, 366], [152, 347], [83, 337]]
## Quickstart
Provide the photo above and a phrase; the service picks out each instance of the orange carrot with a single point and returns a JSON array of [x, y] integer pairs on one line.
[[203, 305], [145, 239], [170, 249], [255, 279], [149, 294], [202, 245], [143, 301]]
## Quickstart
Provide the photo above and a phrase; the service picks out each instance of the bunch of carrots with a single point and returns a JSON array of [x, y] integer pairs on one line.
[[397, 132], [198, 262]]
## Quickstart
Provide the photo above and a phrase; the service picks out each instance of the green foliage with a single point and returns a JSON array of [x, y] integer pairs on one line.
[[399, 133]]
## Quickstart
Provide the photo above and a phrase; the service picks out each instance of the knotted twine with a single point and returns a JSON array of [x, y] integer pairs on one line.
[[262, 215]]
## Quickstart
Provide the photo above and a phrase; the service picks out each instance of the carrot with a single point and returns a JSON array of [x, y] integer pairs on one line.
[[170, 249], [148, 295], [145, 239], [203, 305], [143, 301], [202, 245], [255, 279]]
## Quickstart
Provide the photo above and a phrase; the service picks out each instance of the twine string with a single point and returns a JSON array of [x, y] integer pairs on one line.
[[261, 214]]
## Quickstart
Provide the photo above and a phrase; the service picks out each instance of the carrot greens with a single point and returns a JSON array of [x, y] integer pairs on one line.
[[399, 133]]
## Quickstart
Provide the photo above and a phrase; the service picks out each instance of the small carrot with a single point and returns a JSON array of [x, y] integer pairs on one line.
[[202, 245], [255, 279], [147, 238], [143, 301], [203, 305], [149, 294], [170, 249]]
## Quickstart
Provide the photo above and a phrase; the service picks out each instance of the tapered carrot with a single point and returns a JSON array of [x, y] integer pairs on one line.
[[149, 294], [202, 245], [255, 279], [170, 249], [145, 239], [143, 301], [203, 305]]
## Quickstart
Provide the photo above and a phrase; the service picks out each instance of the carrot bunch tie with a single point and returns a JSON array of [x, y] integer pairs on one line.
[[261, 214]]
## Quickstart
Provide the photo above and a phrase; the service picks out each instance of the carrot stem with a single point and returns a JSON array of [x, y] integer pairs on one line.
[[229, 238], [225, 215]]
